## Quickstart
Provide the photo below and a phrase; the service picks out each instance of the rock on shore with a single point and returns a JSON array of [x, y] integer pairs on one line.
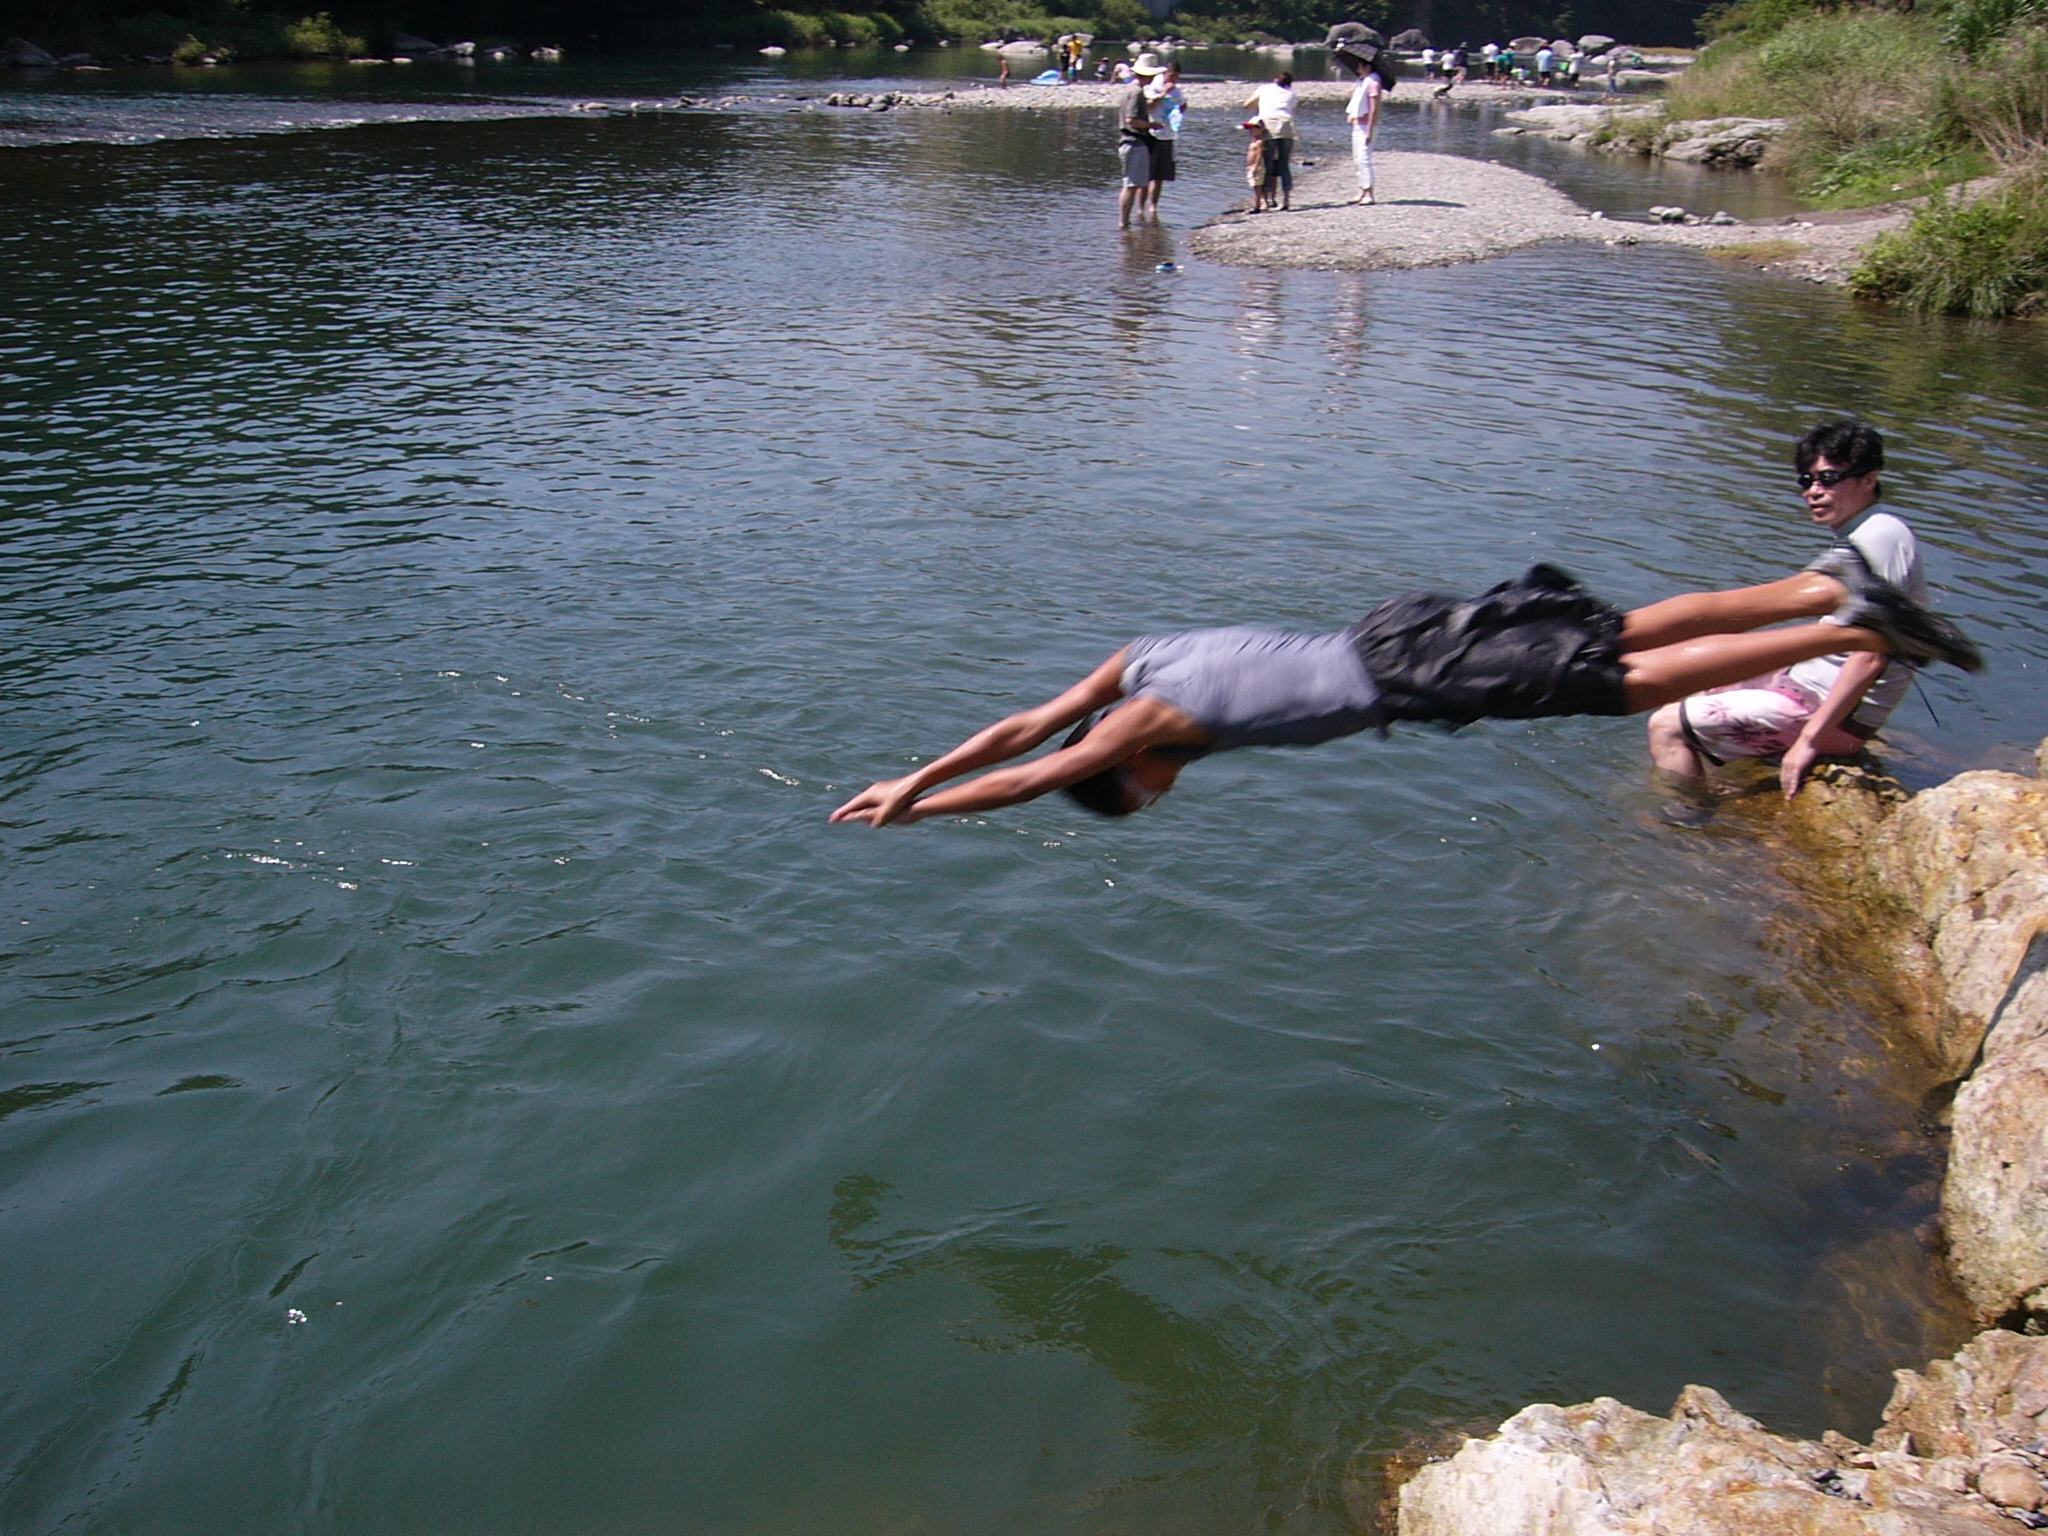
[[1955, 1454], [1951, 886], [1961, 874], [1731, 142]]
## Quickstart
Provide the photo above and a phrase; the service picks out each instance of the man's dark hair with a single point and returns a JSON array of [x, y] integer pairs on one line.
[[1107, 793], [1285, 77], [1848, 445]]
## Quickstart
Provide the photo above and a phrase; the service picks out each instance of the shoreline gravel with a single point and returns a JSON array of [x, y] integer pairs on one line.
[[1443, 210]]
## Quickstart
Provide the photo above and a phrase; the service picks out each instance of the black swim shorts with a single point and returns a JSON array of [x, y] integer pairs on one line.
[[1541, 645]]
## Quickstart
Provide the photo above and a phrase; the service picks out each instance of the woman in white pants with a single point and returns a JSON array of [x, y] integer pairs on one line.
[[1362, 111]]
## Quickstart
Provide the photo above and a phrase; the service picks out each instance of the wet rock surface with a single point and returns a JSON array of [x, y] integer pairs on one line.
[[1959, 1454]]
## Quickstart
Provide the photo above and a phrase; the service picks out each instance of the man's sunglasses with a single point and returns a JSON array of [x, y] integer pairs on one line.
[[1827, 477]]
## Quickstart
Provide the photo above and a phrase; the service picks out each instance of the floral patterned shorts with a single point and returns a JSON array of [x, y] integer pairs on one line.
[[1758, 718]]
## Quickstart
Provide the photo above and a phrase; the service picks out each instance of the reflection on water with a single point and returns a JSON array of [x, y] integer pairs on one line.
[[456, 567]]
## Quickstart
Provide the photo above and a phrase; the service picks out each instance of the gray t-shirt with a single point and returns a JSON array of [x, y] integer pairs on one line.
[[1132, 104], [1888, 546], [1256, 687]]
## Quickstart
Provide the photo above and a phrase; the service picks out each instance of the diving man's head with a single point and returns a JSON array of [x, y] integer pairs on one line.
[[1130, 785]]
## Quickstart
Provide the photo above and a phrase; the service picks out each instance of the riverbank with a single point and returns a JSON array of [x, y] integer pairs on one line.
[[1946, 892], [1441, 210]]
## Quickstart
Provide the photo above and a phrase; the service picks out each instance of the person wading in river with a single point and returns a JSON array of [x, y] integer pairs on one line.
[[1134, 140], [1530, 648]]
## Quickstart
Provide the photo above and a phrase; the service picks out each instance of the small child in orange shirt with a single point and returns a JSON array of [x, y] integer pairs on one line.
[[1257, 172]]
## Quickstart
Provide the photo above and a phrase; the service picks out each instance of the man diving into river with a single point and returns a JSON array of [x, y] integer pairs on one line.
[[1538, 646]]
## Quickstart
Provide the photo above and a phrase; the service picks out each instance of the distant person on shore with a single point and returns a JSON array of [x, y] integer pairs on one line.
[[1613, 72], [1546, 65], [1527, 649], [1274, 105], [1003, 78], [1489, 61], [1429, 63], [1121, 73], [1102, 69], [1257, 171], [1505, 74], [1826, 706], [1362, 112], [1134, 141], [1455, 66], [1168, 106]]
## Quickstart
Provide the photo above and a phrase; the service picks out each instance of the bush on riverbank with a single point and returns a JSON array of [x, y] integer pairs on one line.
[[1986, 259], [1886, 104], [224, 35]]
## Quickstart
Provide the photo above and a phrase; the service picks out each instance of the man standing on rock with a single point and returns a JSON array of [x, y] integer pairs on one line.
[[1829, 706], [1134, 140]]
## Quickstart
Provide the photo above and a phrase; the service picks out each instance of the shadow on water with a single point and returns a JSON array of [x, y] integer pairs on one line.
[[1283, 1385]]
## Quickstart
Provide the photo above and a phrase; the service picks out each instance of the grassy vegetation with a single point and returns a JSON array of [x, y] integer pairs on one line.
[[1864, 90], [1888, 103], [228, 34], [1985, 258], [1757, 253]]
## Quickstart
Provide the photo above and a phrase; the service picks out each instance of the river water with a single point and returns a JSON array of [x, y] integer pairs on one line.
[[453, 568]]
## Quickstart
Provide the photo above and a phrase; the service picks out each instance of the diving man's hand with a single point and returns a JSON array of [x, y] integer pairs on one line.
[[881, 803]]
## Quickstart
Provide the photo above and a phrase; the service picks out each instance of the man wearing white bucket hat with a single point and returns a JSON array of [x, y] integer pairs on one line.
[[1134, 138]]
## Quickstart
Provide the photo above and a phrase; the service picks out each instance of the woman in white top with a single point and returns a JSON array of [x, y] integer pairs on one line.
[[1274, 104], [1362, 111]]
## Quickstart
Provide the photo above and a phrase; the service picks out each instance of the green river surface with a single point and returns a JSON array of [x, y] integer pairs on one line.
[[453, 565]]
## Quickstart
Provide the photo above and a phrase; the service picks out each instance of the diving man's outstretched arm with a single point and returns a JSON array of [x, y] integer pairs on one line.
[[1145, 723]]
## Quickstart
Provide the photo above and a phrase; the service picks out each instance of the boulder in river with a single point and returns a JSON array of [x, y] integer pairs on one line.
[[1728, 141], [20, 53]]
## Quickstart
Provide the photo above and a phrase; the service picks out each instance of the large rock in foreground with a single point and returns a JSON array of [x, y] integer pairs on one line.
[[1958, 1456], [1952, 885]]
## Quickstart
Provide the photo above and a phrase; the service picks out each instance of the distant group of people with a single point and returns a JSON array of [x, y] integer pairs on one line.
[[1150, 109], [1502, 65], [1149, 114]]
